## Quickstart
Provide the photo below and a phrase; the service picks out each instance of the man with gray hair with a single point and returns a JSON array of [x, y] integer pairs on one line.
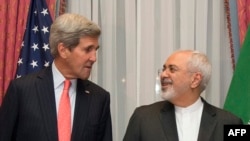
[[59, 103], [183, 115]]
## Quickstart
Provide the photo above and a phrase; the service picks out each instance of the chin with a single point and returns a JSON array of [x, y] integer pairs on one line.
[[167, 94], [84, 77]]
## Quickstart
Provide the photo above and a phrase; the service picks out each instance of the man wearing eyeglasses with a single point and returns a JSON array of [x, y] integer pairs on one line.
[[183, 115]]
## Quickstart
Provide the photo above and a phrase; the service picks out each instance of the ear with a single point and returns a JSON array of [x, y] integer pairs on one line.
[[62, 50], [196, 80]]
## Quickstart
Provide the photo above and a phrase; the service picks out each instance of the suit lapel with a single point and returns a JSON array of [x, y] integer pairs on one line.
[[167, 118], [82, 103], [45, 91], [208, 123]]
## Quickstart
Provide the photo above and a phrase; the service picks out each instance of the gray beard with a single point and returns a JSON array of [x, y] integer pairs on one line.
[[168, 93]]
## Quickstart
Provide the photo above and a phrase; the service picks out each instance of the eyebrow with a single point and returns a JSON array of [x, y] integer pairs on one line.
[[93, 47], [171, 65]]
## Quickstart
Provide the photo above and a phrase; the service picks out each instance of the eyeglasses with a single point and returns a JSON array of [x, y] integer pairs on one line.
[[170, 68]]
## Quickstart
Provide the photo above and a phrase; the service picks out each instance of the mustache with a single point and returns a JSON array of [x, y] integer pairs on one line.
[[166, 80]]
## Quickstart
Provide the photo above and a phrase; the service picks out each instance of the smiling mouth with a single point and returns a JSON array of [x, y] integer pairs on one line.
[[165, 82]]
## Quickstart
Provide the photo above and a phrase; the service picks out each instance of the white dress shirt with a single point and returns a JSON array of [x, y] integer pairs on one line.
[[188, 121], [58, 80]]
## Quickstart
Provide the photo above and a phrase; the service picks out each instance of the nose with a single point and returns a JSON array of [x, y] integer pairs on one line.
[[162, 72], [93, 56]]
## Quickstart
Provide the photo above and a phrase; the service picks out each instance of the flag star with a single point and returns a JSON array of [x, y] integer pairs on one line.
[[34, 64], [35, 29], [46, 64], [45, 29], [45, 46], [18, 76], [44, 12], [34, 52], [35, 46], [20, 61]]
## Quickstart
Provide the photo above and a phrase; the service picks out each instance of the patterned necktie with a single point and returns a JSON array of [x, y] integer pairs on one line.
[[64, 114]]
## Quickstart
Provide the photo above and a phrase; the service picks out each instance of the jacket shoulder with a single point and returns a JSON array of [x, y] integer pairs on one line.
[[222, 115]]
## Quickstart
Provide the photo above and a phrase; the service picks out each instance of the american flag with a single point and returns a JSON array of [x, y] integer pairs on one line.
[[35, 51]]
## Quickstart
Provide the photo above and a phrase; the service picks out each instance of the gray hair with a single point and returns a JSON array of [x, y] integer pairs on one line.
[[69, 29], [200, 63]]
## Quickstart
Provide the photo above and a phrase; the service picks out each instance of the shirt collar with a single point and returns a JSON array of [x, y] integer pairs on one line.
[[198, 103]]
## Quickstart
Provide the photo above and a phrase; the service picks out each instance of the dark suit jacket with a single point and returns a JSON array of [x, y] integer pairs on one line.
[[156, 122], [28, 111]]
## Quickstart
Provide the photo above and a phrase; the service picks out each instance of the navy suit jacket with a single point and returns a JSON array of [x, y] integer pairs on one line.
[[156, 122], [28, 111]]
